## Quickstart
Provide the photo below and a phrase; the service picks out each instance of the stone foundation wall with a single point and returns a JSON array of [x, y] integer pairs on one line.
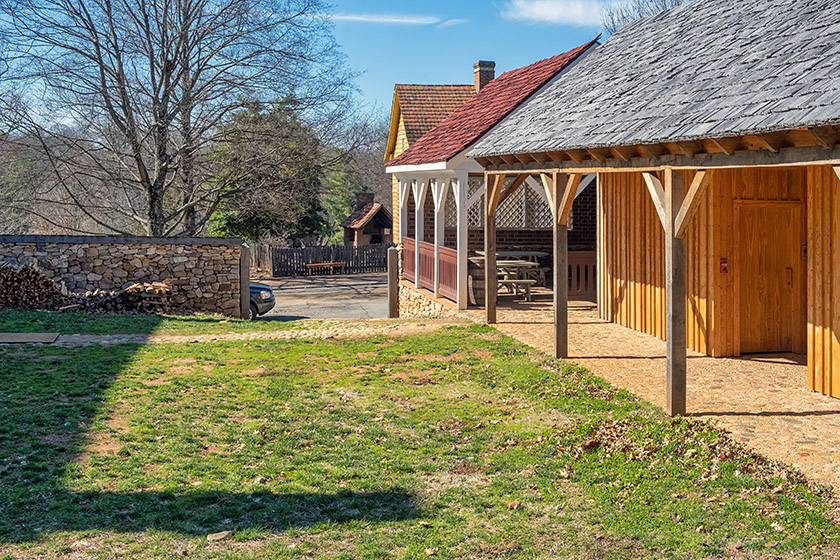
[[203, 273], [416, 304]]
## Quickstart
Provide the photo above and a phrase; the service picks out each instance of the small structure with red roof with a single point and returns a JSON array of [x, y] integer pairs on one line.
[[369, 224], [438, 162]]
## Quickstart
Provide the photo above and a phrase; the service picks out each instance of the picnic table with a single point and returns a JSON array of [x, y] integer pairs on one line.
[[532, 256], [515, 276]]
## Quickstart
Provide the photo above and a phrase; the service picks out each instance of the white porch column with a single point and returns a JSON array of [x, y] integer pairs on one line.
[[418, 189], [439, 190], [404, 185], [461, 190]]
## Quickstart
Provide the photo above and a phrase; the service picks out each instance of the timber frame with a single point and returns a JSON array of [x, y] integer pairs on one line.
[[675, 202]]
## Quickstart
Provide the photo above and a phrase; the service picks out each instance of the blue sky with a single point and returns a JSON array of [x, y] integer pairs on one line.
[[437, 41]]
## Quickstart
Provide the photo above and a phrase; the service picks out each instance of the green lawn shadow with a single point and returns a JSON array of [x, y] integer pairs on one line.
[[50, 397]]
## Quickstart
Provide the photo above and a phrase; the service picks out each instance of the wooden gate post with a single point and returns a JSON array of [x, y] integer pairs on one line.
[[393, 283], [675, 285], [245, 282]]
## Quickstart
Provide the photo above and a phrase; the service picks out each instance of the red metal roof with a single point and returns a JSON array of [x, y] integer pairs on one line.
[[423, 107], [476, 117]]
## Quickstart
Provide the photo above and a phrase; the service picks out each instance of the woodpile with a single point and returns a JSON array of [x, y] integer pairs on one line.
[[23, 286]]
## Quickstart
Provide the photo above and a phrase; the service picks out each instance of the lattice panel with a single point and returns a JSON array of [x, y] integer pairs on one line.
[[538, 213], [511, 212], [475, 215], [450, 210]]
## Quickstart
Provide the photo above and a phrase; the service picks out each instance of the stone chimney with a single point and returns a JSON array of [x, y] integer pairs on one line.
[[363, 199], [485, 71]]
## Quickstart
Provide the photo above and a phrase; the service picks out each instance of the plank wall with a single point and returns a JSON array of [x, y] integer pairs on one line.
[[823, 281], [631, 243], [401, 146]]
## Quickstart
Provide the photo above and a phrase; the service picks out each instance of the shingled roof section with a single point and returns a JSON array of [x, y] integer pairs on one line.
[[706, 69], [361, 216], [423, 107], [494, 102]]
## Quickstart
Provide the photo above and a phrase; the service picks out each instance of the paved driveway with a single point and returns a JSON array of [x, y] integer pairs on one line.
[[351, 296]]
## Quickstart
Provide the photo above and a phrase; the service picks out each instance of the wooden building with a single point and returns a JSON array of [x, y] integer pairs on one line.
[[441, 190], [713, 128], [417, 109], [369, 224]]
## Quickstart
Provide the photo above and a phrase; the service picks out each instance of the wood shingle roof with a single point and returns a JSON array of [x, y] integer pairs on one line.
[[706, 69], [424, 106]]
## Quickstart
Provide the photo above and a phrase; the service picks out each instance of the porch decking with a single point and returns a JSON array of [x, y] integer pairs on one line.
[[761, 399]]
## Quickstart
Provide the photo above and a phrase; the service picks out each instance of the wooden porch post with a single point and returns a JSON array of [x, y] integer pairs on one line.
[[461, 193], [560, 191], [418, 189], [675, 285], [404, 186], [493, 185], [439, 189]]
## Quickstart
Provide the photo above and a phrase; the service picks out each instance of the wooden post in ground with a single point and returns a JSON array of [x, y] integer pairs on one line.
[[560, 191], [675, 285], [245, 282], [492, 189], [393, 283]]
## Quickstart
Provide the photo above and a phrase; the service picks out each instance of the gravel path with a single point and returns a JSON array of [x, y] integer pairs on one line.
[[303, 329]]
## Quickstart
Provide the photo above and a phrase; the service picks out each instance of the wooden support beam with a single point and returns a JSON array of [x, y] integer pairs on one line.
[[524, 159], [599, 154], [692, 202], [576, 155], [769, 142], [690, 147], [482, 161], [512, 187], [726, 145], [657, 194], [565, 207], [494, 185], [675, 295], [826, 136], [560, 243], [623, 152], [837, 171], [653, 150], [557, 157]]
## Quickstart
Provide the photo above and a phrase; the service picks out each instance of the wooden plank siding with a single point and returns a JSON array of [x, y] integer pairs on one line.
[[401, 146], [823, 281], [632, 260]]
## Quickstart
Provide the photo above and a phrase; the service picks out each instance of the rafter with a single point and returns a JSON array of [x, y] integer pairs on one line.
[[653, 150], [689, 147], [624, 152], [576, 155], [769, 142], [826, 136], [599, 154], [692, 202], [726, 145]]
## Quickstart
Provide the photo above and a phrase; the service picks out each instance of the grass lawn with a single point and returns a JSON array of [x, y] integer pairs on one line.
[[86, 323], [458, 443]]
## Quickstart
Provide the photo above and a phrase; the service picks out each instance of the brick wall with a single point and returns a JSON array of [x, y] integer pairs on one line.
[[203, 273]]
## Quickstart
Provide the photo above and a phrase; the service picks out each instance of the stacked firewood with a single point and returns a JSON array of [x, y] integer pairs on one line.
[[23, 286], [137, 298]]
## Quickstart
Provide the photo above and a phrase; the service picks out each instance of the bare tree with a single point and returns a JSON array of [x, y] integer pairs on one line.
[[128, 99], [615, 14]]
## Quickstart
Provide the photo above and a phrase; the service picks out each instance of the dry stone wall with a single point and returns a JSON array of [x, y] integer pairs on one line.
[[416, 304], [203, 274]]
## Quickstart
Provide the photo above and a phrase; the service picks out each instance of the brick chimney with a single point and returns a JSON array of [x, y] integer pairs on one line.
[[485, 71], [363, 199]]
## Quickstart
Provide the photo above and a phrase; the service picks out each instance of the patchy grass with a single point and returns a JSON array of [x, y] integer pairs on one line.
[[86, 323], [460, 443]]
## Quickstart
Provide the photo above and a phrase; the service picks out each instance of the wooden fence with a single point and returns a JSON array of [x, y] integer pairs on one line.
[[348, 259]]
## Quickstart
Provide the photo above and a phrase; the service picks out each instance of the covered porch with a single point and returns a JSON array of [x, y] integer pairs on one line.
[[443, 231]]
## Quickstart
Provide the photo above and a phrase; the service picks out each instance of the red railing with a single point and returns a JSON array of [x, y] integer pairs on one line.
[[427, 265], [449, 273], [409, 248], [582, 285]]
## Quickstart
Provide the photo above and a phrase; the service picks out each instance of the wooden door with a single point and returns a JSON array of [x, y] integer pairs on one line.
[[771, 283]]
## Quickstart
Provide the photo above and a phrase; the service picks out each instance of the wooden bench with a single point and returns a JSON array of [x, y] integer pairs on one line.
[[331, 265], [519, 283]]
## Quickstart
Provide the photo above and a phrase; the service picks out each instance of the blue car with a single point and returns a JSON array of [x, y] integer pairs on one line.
[[262, 300]]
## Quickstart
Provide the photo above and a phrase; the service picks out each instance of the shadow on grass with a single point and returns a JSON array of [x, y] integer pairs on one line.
[[50, 397]]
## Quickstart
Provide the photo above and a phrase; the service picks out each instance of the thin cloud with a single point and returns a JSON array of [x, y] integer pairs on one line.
[[451, 22], [568, 12], [400, 19]]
